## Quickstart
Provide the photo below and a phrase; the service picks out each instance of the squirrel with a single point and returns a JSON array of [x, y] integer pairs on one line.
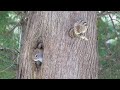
[[37, 55], [80, 27]]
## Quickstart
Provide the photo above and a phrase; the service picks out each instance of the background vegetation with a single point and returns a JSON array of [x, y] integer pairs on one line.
[[9, 43], [108, 44]]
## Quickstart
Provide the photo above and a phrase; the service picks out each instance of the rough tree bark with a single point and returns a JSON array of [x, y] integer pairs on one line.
[[64, 58]]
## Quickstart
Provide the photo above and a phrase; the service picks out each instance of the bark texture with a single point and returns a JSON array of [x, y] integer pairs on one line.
[[63, 57]]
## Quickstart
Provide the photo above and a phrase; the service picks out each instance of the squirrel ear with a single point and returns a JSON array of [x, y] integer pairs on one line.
[[36, 55], [40, 45]]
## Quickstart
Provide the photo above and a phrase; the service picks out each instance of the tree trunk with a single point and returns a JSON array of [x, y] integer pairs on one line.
[[63, 57]]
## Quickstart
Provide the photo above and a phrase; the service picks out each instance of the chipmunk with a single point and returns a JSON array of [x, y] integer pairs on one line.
[[80, 27]]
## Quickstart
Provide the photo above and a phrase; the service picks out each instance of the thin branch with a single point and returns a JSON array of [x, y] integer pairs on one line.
[[18, 24], [116, 20], [15, 58], [9, 66], [22, 14], [112, 21], [18, 12], [5, 48], [113, 24], [103, 13]]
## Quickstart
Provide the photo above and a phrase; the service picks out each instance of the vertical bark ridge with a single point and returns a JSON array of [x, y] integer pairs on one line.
[[64, 58]]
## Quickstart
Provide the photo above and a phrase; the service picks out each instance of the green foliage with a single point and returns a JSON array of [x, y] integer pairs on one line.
[[109, 53], [9, 43]]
